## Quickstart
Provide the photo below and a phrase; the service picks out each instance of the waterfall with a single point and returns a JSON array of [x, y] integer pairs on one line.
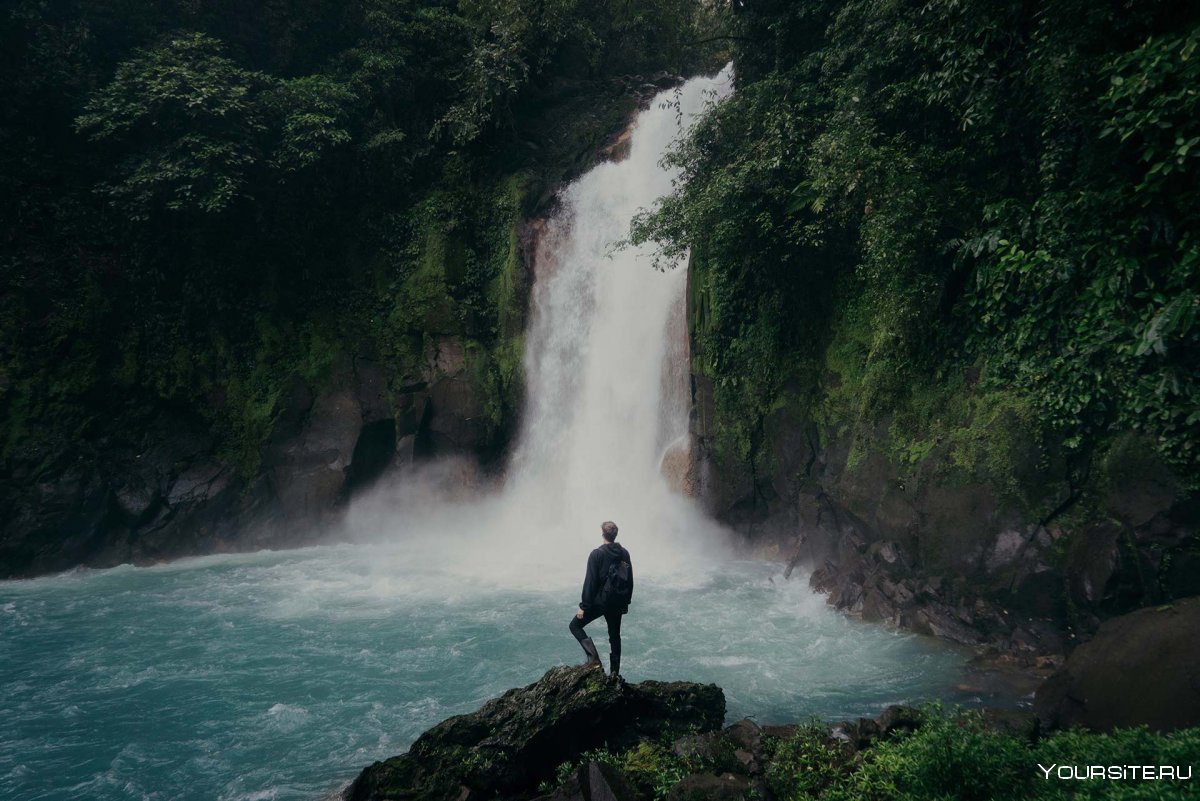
[[605, 430], [606, 357]]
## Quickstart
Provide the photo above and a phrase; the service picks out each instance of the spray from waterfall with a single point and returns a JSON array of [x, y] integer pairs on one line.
[[605, 430]]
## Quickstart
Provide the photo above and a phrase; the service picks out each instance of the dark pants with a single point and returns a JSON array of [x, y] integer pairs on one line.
[[613, 619]]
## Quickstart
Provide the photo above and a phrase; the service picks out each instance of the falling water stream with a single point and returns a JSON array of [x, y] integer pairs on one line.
[[278, 675]]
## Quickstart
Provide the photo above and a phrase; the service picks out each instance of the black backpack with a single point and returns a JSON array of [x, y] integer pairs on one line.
[[617, 590]]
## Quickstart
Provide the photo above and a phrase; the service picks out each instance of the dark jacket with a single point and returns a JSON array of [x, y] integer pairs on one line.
[[597, 568]]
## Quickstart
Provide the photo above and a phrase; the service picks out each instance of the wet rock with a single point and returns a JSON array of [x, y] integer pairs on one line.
[[372, 391], [711, 748], [887, 552], [1137, 499], [517, 740], [745, 734], [710, 787], [780, 732], [678, 467], [875, 607], [1006, 550], [1091, 562], [199, 483], [594, 781], [1036, 592], [606, 783], [856, 734], [455, 420], [619, 147], [1015, 722], [136, 499], [898, 718], [406, 451], [374, 452], [1140, 668], [411, 409], [446, 357], [874, 533], [332, 430], [940, 621], [307, 472]]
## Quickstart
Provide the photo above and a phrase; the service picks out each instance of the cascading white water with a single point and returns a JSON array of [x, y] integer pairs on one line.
[[602, 405], [606, 370]]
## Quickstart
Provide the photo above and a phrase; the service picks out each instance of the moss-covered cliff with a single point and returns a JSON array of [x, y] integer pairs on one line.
[[943, 305]]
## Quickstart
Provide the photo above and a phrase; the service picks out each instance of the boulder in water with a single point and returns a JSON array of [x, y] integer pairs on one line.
[[515, 741]]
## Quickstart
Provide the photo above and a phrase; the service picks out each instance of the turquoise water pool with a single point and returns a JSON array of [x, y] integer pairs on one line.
[[280, 675]]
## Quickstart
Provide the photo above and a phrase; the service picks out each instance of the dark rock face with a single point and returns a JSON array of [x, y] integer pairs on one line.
[[955, 558], [165, 490], [518, 740], [158, 487], [1140, 668]]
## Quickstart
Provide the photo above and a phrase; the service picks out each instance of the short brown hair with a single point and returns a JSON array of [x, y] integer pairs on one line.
[[609, 530]]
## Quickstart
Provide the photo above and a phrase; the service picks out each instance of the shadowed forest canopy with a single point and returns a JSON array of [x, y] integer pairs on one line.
[[932, 222], [201, 199]]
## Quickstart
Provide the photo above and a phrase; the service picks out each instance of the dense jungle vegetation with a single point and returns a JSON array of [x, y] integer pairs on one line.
[[202, 199], [950, 221], [953, 221], [952, 755]]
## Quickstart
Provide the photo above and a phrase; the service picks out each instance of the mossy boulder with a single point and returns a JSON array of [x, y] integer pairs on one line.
[[515, 741]]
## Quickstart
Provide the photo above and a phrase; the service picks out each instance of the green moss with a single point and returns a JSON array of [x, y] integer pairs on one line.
[[654, 767], [1129, 458], [253, 401], [422, 301], [949, 425], [496, 373], [253, 390], [749, 373], [506, 292]]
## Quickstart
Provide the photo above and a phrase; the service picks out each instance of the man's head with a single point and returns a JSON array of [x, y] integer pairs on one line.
[[609, 530]]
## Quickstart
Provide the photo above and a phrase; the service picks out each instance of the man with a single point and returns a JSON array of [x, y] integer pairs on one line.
[[607, 589]]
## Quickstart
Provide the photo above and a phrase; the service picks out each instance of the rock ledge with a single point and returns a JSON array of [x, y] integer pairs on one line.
[[514, 742]]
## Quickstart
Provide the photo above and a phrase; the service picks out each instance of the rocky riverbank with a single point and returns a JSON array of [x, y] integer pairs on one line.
[[578, 735]]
